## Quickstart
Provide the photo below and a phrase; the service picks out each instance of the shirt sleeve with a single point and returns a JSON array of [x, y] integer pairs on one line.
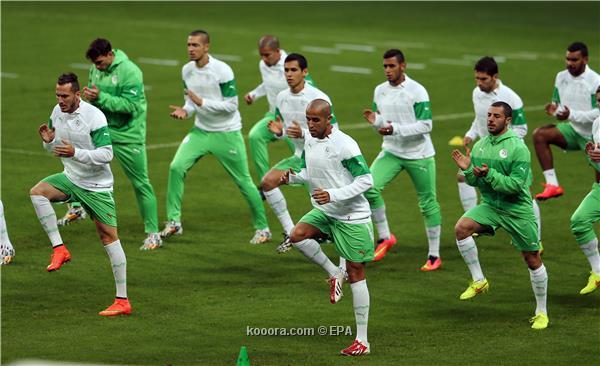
[[229, 101], [300, 176], [379, 122], [586, 116], [555, 93], [473, 131], [103, 152], [48, 146], [129, 95], [519, 121], [259, 91], [355, 163], [188, 106], [516, 179], [422, 110]]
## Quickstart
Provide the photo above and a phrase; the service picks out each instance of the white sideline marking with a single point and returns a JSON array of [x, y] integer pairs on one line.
[[528, 56], [9, 75], [451, 61], [353, 126], [404, 44], [163, 146], [324, 50], [474, 58], [24, 152], [80, 66], [230, 58], [158, 61], [355, 47], [416, 66], [351, 70]]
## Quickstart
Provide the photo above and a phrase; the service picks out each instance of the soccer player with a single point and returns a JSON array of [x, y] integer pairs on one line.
[[588, 212], [273, 81], [337, 175], [402, 114], [116, 87], [490, 89], [211, 94], [7, 252], [573, 100], [78, 133], [290, 121], [499, 166]]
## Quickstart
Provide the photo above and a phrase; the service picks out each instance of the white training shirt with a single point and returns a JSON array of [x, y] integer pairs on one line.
[[578, 93], [482, 102], [215, 84], [292, 108], [86, 129], [336, 165], [273, 81], [407, 108]]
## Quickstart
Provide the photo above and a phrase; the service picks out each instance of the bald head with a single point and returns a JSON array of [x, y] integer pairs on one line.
[[268, 41], [320, 107], [318, 118]]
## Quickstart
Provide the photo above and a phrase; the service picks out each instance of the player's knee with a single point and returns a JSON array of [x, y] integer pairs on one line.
[[34, 191], [356, 271], [176, 168], [429, 206], [37, 190], [540, 134], [297, 235], [462, 230], [269, 182], [373, 195], [577, 223], [534, 261], [254, 134]]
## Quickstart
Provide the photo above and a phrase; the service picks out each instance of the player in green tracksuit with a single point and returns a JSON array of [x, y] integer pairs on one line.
[[588, 212], [211, 97], [116, 87], [499, 166]]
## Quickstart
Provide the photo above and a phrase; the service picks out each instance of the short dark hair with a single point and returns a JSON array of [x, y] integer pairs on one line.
[[268, 41], [200, 32], [98, 47], [505, 107], [394, 52], [578, 46], [488, 65], [69, 78], [297, 57]]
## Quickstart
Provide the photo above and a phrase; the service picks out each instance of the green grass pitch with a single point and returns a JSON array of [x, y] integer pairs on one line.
[[194, 298]]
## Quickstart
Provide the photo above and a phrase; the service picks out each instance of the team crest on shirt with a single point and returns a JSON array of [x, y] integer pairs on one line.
[[114, 79], [503, 153]]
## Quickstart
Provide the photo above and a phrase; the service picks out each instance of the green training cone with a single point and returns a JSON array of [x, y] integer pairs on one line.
[[243, 358]]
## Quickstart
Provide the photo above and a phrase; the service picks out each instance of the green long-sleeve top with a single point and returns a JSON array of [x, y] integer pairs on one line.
[[121, 99], [506, 185]]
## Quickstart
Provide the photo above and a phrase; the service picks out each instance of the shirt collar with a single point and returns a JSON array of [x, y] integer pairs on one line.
[[402, 84]]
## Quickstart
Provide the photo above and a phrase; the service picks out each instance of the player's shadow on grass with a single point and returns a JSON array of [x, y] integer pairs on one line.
[[575, 300]]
